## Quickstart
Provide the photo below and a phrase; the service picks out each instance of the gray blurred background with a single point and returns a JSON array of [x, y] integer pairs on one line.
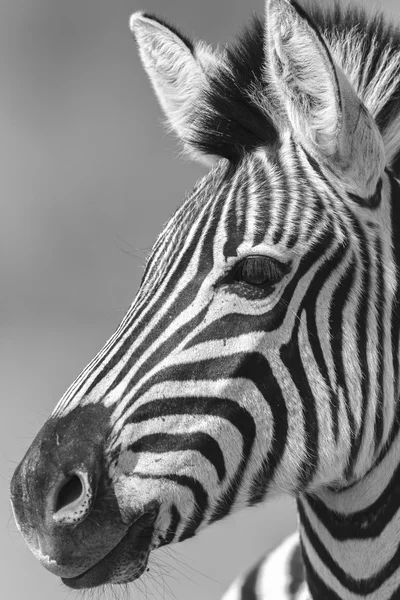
[[88, 177]]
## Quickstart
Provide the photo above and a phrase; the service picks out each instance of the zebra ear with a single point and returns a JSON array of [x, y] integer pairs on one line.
[[176, 69], [314, 95]]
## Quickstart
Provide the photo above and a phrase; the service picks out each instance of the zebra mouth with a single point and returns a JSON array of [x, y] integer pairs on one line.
[[125, 562]]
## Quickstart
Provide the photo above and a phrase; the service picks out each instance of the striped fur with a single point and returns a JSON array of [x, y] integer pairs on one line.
[[217, 390], [279, 575]]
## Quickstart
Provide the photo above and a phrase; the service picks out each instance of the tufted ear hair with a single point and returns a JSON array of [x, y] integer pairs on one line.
[[312, 95], [177, 71]]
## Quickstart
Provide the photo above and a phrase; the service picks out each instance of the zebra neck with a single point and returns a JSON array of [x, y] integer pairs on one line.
[[351, 539]]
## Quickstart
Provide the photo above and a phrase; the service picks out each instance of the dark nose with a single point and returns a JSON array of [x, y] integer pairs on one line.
[[57, 485], [57, 480]]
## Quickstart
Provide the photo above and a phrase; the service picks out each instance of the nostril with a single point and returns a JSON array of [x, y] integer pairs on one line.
[[72, 498], [69, 492]]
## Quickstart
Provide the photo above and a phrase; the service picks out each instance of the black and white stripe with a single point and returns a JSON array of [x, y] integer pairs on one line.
[[216, 392]]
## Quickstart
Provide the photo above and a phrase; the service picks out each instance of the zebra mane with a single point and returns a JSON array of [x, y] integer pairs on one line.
[[232, 118]]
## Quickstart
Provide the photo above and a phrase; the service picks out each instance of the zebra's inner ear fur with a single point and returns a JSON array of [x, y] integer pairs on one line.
[[312, 95], [176, 69]]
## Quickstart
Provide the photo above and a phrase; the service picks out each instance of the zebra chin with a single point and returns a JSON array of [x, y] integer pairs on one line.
[[125, 562]]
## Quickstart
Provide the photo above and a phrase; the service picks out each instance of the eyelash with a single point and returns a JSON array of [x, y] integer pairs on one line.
[[255, 276], [259, 271]]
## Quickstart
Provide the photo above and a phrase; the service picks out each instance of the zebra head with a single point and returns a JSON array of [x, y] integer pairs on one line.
[[253, 357]]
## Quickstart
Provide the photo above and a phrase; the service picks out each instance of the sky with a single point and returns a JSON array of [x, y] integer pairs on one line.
[[88, 177]]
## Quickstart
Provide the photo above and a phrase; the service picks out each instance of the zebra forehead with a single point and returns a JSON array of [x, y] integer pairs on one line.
[[239, 203], [196, 207], [215, 197]]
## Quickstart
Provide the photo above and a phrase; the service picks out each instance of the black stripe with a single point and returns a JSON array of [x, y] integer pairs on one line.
[[252, 367], [336, 326], [362, 330], [396, 594], [380, 350], [302, 184], [186, 213], [373, 202], [242, 206], [272, 393], [318, 588], [284, 198], [327, 200], [232, 225], [173, 526], [365, 524], [248, 591], [291, 358], [265, 193], [200, 499], [395, 331], [195, 441], [309, 304], [297, 572], [363, 586]]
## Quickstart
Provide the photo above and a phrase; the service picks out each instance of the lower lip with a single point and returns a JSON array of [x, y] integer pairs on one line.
[[133, 547]]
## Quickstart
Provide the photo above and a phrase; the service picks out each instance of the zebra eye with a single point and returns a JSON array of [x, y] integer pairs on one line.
[[259, 271]]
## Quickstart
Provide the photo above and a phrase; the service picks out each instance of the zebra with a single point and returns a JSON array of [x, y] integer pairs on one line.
[[260, 355]]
